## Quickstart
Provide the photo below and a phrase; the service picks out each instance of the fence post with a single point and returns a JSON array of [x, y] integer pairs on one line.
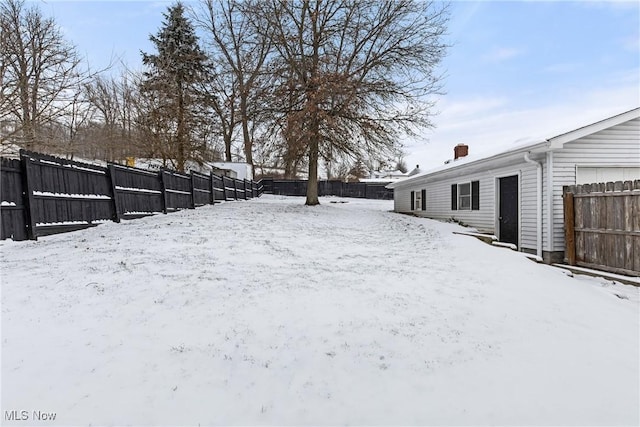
[[111, 170], [29, 205], [244, 183], [212, 196], [569, 229], [235, 189], [224, 188], [164, 191], [193, 192]]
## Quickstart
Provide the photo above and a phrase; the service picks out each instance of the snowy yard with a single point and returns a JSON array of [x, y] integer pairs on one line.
[[270, 312]]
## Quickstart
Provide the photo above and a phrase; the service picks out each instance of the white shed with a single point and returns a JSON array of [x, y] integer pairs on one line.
[[242, 170], [516, 194]]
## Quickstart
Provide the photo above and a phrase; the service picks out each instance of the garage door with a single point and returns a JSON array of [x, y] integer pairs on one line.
[[592, 175]]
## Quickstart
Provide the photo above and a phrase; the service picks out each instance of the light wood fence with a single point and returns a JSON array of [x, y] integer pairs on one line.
[[602, 226]]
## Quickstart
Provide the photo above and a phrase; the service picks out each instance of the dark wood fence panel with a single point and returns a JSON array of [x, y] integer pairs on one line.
[[65, 195], [12, 214], [378, 191], [239, 186], [330, 188], [202, 191], [229, 185], [327, 188], [248, 192], [289, 187], [43, 195], [178, 190], [137, 192], [602, 226], [266, 185], [218, 189], [355, 189]]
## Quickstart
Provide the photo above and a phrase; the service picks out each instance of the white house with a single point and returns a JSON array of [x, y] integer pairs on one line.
[[516, 194], [242, 170]]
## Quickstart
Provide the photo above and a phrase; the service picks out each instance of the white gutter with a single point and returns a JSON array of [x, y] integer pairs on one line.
[[550, 203], [538, 203]]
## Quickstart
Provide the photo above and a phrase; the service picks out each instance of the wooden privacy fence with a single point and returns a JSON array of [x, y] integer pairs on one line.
[[602, 226], [298, 187], [44, 195]]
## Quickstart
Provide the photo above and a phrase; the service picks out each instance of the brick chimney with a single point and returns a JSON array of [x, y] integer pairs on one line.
[[460, 150]]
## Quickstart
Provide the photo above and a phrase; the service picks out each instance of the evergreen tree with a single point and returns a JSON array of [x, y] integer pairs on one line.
[[172, 90]]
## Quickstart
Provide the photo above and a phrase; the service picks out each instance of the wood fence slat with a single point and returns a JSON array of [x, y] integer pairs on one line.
[[13, 217], [164, 191], [193, 192], [212, 197], [114, 194], [569, 229], [28, 200]]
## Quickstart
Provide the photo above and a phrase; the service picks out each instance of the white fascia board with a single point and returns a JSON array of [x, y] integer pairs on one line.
[[514, 155], [558, 141]]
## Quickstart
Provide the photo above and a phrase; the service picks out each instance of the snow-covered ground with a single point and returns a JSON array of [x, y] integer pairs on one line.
[[271, 312]]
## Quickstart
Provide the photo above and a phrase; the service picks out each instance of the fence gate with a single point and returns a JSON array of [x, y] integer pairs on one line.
[[602, 226]]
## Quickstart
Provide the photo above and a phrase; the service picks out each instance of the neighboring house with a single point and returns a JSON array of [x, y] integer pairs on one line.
[[242, 170], [384, 176], [416, 171], [516, 194]]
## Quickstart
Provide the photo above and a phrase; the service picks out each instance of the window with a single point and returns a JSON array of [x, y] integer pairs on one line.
[[465, 196], [419, 200]]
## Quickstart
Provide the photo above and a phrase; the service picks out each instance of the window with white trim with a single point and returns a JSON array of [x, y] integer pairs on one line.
[[464, 196], [418, 201]]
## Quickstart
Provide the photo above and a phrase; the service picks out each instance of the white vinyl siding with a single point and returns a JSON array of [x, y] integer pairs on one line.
[[618, 146], [615, 147], [438, 191], [402, 201], [528, 204], [590, 175]]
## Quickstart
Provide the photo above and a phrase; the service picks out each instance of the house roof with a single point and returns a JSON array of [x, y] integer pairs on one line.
[[527, 144]]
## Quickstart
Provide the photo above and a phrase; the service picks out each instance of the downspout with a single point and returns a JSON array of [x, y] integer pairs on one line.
[[538, 203], [550, 203]]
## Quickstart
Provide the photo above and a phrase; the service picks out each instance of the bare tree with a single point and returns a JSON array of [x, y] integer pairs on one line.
[[41, 72], [77, 116], [109, 99], [360, 73], [238, 54]]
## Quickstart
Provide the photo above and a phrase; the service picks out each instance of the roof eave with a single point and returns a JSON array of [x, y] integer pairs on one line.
[[558, 141], [539, 147]]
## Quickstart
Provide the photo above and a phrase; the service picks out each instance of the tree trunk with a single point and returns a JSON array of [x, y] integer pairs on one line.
[[312, 183], [227, 147], [180, 136], [288, 167], [248, 145]]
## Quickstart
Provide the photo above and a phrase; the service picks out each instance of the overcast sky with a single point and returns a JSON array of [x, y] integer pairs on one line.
[[515, 69]]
